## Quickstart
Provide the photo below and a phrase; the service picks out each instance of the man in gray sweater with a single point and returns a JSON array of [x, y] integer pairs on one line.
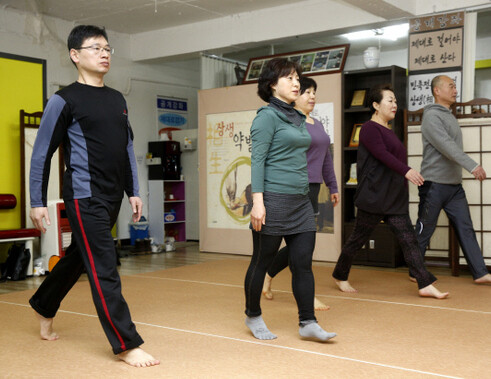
[[443, 160]]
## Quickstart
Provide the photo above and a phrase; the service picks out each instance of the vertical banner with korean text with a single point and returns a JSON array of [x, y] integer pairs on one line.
[[324, 112], [172, 114], [228, 146], [436, 45], [228, 149]]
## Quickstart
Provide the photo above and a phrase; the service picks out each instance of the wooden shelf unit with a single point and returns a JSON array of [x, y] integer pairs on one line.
[[166, 216]]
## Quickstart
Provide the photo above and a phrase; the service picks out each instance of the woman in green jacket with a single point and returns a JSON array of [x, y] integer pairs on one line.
[[281, 206]]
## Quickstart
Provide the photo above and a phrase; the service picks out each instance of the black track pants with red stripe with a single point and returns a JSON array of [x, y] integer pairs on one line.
[[92, 247]]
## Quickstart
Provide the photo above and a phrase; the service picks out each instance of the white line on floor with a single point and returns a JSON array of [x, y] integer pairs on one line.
[[300, 350], [329, 296], [259, 343]]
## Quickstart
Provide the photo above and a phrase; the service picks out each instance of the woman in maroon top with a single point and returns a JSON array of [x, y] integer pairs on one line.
[[382, 194]]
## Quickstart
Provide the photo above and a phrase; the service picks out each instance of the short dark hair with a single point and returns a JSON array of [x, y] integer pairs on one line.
[[275, 68], [306, 83], [82, 32], [376, 94]]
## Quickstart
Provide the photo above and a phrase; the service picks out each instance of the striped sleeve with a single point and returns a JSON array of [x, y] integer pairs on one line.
[[131, 173], [53, 126]]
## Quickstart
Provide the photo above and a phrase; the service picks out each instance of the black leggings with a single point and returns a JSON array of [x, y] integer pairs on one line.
[[301, 248], [406, 236], [280, 261]]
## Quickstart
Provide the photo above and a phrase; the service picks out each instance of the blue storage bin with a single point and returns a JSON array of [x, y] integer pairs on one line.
[[138, 230]]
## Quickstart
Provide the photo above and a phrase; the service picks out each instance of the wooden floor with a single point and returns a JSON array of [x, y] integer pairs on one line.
[[186, 253], [189, 307]]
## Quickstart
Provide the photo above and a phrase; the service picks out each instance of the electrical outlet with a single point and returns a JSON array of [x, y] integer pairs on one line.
[[372, 244]]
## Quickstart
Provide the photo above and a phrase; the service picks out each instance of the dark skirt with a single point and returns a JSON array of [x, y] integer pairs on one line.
[[287, 214]]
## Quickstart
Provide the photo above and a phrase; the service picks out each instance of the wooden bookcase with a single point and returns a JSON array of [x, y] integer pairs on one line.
[[382, 248]]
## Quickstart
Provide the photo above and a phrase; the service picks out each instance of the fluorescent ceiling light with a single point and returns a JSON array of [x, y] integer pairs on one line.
[[391, 33]]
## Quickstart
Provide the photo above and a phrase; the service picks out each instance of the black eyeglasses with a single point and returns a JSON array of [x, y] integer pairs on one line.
[[98, 49]]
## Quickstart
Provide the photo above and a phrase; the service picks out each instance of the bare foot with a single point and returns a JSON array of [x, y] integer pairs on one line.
[[46, 325], [138, 358], [267, 287], [320, 306], [345, 286], [431, 291], [486, 279], [412, 279]]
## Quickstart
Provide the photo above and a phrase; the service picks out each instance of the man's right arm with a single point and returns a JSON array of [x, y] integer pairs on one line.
[[37, 215], [434, 130], [53, 127]]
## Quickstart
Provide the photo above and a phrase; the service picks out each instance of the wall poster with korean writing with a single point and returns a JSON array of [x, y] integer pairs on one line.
[[172, 114], [436, 50], [420, 88], [324, 112], [228, 149]]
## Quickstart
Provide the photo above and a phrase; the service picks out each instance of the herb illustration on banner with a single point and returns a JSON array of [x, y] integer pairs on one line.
[[228, 149]]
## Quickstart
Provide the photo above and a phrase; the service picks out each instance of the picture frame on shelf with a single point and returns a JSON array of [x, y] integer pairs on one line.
[[355, 135], [359, 98], [353, 180], [325, 60]]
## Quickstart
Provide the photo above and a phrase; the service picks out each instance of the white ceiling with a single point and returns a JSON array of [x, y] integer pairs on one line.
[[136, 16]]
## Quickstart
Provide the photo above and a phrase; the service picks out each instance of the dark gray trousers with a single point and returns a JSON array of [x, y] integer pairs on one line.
[[433, 197]]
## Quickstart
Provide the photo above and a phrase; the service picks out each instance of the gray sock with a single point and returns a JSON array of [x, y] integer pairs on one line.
[[313, 330], [259, 328]]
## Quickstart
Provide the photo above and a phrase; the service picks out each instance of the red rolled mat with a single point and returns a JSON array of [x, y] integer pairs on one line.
[[7, 201]]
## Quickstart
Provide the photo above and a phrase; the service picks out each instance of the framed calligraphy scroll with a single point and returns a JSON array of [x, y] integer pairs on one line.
[[436, 50], [436, 42], [436, 47]]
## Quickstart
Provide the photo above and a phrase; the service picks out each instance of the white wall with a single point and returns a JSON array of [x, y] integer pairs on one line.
[[142, 110], [140, 82], [482, 87]]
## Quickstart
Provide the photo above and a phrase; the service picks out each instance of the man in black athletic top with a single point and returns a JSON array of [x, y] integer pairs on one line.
[[91, 120]]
